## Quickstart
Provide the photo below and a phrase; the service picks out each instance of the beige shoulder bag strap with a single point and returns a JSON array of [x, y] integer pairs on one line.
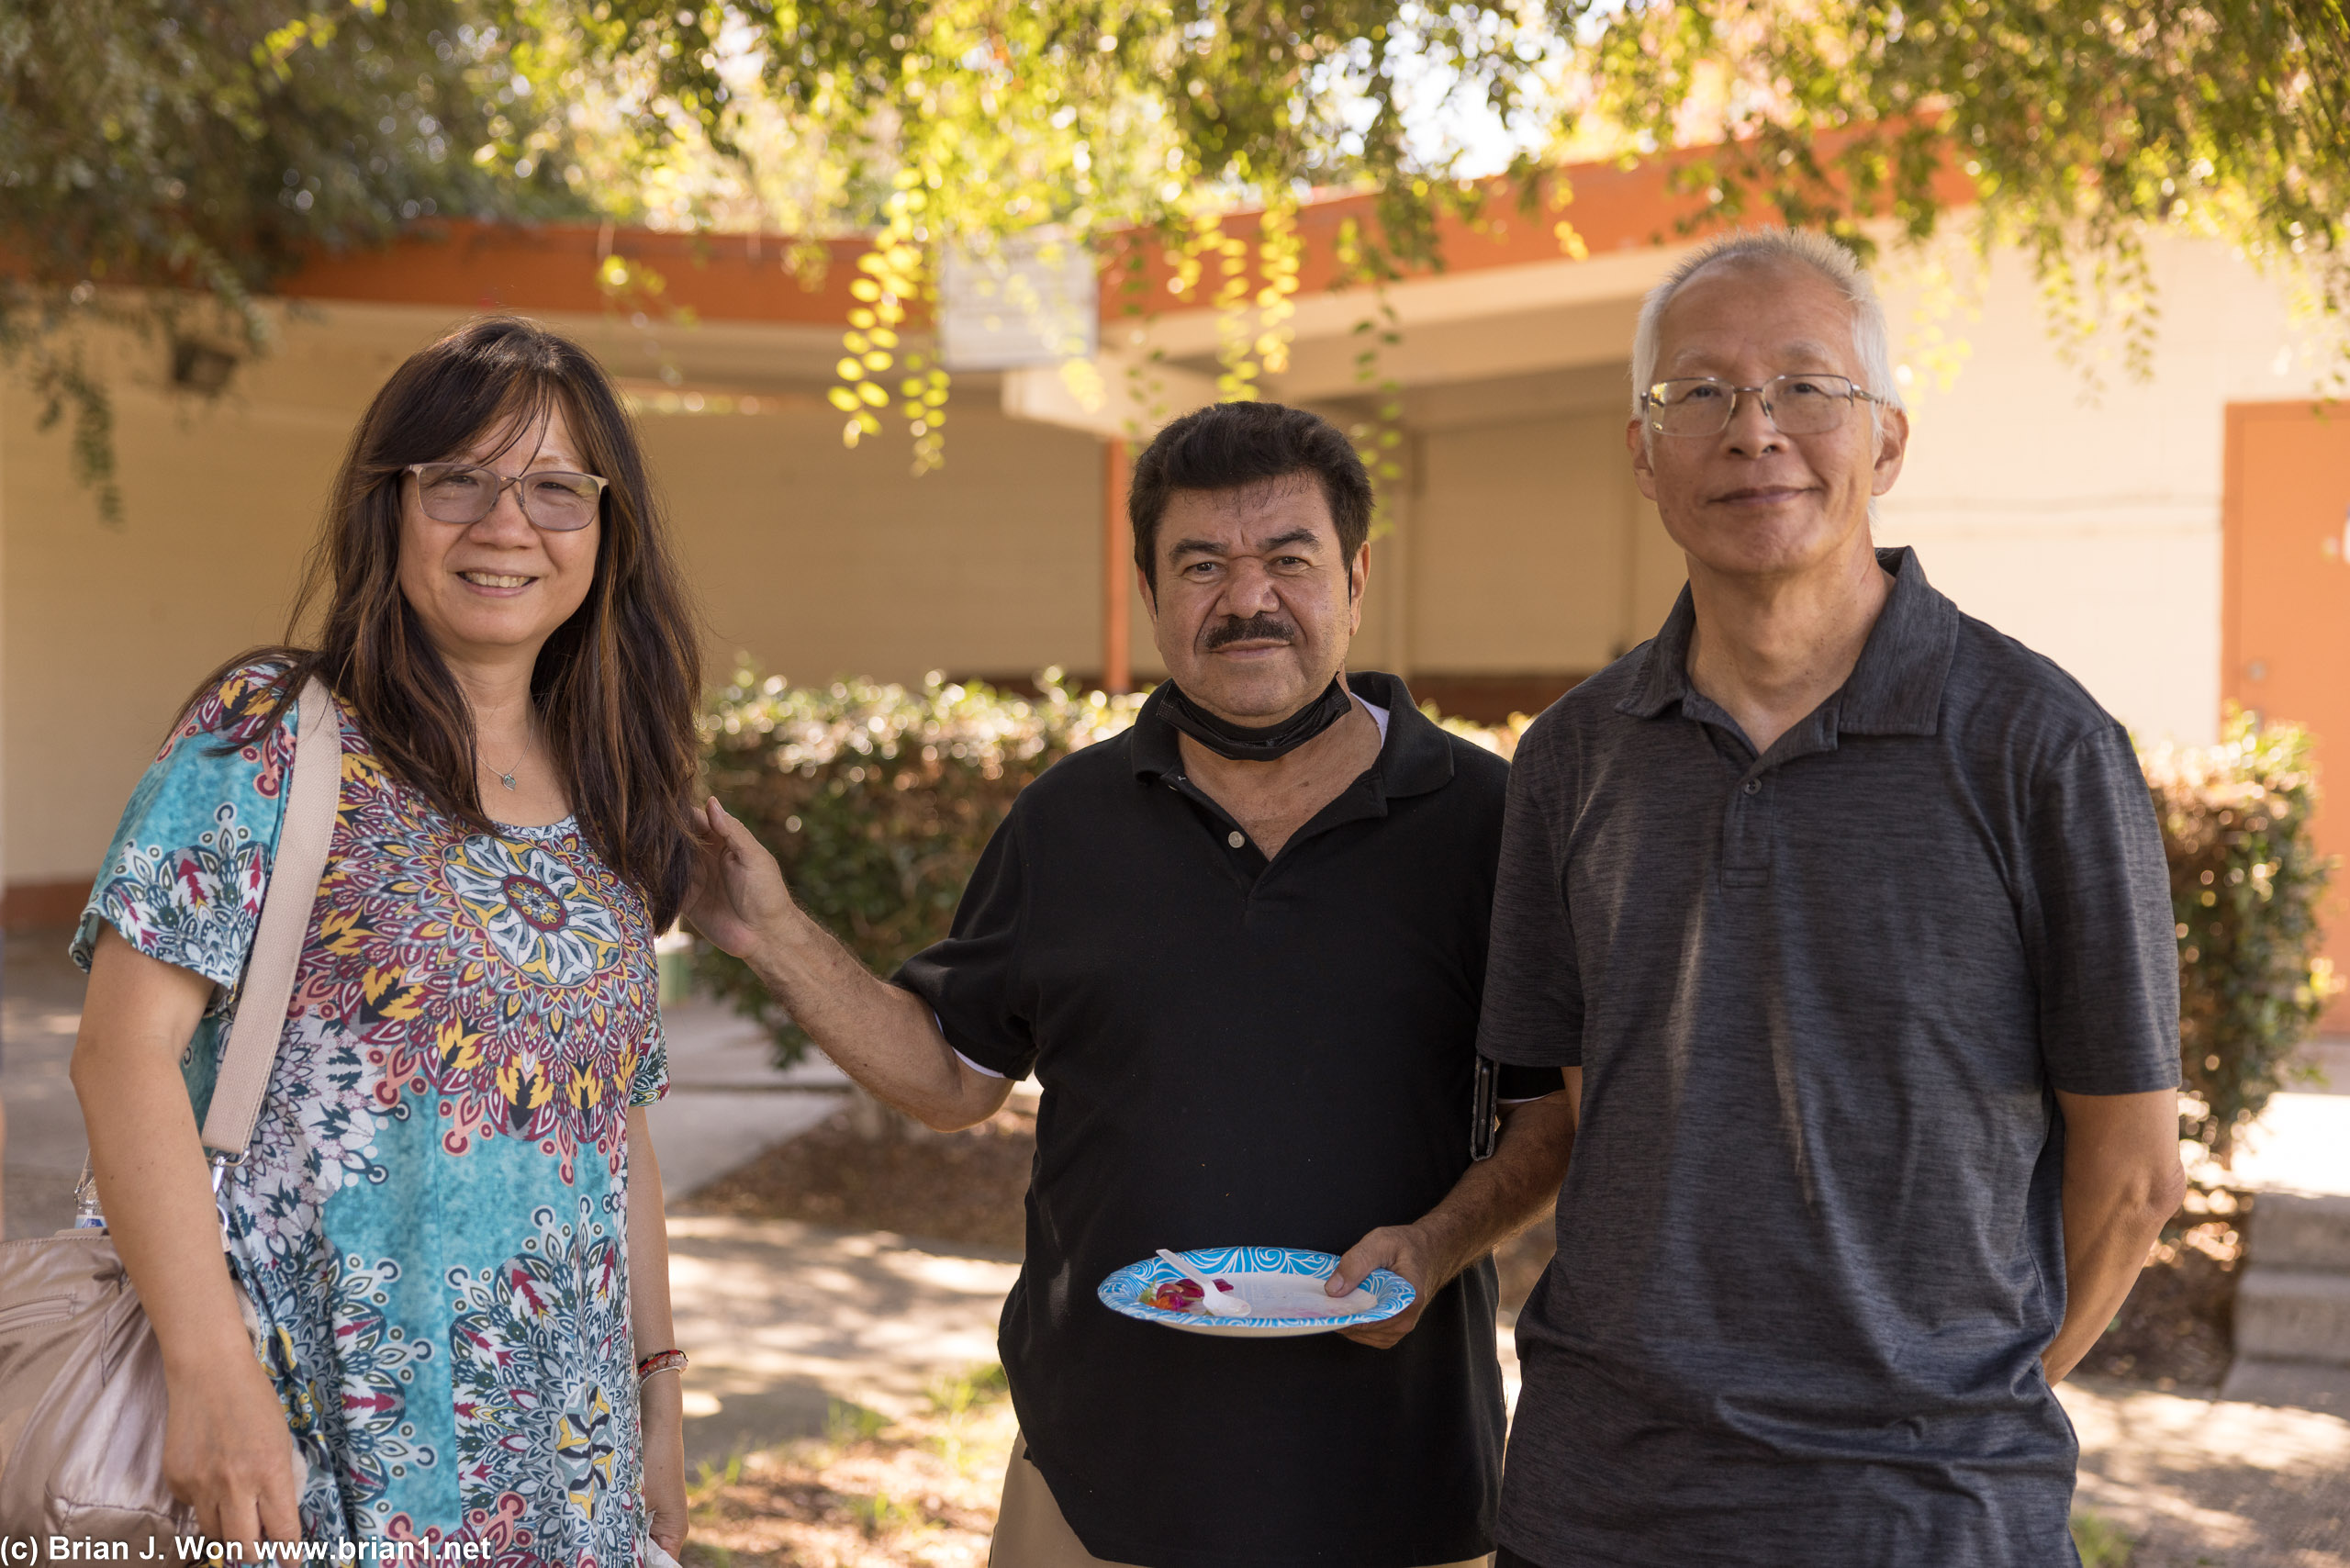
[[294, 876]]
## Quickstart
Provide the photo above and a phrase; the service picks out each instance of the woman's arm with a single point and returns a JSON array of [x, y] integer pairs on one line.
[[225, 1448], [663, 1400]]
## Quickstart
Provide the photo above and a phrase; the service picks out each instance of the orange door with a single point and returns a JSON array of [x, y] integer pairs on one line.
[[2285, 618]]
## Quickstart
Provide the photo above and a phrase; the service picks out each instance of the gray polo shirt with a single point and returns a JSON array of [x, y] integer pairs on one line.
[[1810, 1243]]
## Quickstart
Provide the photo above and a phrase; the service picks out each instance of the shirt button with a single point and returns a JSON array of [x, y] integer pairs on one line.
[[1236, 839], [1754, 786]]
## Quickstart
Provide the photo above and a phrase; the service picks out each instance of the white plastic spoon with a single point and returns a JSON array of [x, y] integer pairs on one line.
[[1221, 1300]]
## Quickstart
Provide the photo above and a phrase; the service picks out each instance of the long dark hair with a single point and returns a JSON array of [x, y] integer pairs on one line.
[[615, 685]]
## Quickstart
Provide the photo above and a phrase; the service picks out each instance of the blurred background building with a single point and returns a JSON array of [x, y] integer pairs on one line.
[[2174, 539]]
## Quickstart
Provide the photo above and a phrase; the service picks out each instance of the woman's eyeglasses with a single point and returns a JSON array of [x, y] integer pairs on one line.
[[466, 492]]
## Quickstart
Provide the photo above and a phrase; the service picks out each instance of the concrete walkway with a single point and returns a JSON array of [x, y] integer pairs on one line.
[[782, 1319], [2196, 1481], [40, 1009], [727, 1102]]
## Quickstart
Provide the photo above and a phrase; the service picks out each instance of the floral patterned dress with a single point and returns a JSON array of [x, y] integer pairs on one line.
[[432, 1219]]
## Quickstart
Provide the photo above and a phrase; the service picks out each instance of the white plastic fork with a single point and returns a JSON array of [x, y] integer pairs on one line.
[[1221, 1300]]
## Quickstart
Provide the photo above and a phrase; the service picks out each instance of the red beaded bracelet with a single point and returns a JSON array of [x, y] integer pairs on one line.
[[660, 1361]]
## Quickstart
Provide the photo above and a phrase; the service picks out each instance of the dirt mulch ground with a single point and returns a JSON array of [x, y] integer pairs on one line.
[[917, 1493], [964, 1187]]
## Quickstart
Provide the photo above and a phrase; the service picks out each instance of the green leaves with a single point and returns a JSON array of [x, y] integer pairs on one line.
[[2246, 880], [877, 800], [2077, 126], [200, 151]]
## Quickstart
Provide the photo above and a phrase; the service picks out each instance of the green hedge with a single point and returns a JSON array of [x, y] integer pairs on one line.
[[2246, 883], [877, 800]]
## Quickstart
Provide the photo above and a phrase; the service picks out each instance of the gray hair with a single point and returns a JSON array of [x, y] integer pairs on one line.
[[1872, 340]]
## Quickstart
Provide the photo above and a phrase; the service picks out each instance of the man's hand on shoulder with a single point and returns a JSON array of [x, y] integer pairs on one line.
[[1403, 1249], [738, 900]]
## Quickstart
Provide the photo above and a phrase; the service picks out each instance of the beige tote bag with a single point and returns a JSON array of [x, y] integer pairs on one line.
[[81, 1375]]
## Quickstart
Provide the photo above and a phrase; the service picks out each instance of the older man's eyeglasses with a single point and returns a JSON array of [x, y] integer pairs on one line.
[[1798, 404], [466, 492]]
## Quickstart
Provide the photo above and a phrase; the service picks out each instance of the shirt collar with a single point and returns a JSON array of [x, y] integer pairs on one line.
[[1416, 757], [1895, 688]]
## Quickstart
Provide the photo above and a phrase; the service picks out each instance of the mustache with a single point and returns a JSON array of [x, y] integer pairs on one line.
[[1260, 627]]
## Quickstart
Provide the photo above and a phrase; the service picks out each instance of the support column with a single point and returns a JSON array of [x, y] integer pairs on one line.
[[1117, 556]]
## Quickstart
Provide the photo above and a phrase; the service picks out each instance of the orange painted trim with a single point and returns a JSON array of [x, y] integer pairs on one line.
[[43, 906], [557, 267], [468, 265], [2231, 526], [1117, 563]]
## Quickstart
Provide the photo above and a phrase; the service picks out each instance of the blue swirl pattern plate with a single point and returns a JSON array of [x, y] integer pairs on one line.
[[1269, 1277]]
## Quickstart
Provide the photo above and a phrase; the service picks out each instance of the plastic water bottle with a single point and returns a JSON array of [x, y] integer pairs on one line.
[[86, 1214]]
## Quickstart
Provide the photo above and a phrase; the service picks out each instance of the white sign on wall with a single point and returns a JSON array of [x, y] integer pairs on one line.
[[1034, 300]]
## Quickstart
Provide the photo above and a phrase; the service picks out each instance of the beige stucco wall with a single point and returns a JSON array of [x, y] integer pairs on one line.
[[1532, 549], [2086, 521], [107, 629]]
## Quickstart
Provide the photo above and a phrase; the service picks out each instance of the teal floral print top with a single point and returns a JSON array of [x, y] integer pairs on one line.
[[431, 1221]]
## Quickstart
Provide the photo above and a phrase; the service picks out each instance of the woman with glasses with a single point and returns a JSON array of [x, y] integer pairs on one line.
[[449, 1221]]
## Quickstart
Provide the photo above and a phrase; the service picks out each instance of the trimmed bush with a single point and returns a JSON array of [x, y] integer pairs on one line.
[[877, 800], [2245, 882]]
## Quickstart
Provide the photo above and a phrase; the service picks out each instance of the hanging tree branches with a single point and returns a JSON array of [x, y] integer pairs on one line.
[[201, 150]]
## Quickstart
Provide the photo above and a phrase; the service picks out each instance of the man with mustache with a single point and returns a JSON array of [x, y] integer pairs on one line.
[[1241, 946], [1848, 918]]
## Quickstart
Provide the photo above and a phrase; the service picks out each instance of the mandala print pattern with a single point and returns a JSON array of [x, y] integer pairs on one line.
[[499, 1527], [192, 900], [317, 1134], [343, 1372], [487, 975], [532, 907], [198, 898], [546, 1391]]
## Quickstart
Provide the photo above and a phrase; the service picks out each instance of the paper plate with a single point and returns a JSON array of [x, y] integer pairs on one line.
[[1270, 1278]]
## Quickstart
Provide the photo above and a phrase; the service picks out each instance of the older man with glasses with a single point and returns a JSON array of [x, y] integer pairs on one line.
[[1848, 918]]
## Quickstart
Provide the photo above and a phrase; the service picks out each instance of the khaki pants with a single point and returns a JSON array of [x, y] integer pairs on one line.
[[1030, 1533]]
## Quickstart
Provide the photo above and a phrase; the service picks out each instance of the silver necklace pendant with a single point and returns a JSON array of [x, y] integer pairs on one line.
[[506, 779]]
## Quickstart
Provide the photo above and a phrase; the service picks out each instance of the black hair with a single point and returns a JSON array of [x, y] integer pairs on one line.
[[1229, 447]]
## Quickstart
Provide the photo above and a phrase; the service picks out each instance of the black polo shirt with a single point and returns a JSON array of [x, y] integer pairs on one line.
[[1810, 1243], [1233, 1051]]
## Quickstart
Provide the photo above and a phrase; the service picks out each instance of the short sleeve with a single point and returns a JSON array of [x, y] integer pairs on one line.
[[184, 877], [2098, 925], [1533, 1011], [650, 1081], [971, 980]]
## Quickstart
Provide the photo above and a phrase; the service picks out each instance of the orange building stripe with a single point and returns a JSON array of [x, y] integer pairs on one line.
[[744, 277], [558, 266]]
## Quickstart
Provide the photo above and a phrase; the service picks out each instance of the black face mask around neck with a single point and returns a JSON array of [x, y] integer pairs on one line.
[[1242, 744]]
